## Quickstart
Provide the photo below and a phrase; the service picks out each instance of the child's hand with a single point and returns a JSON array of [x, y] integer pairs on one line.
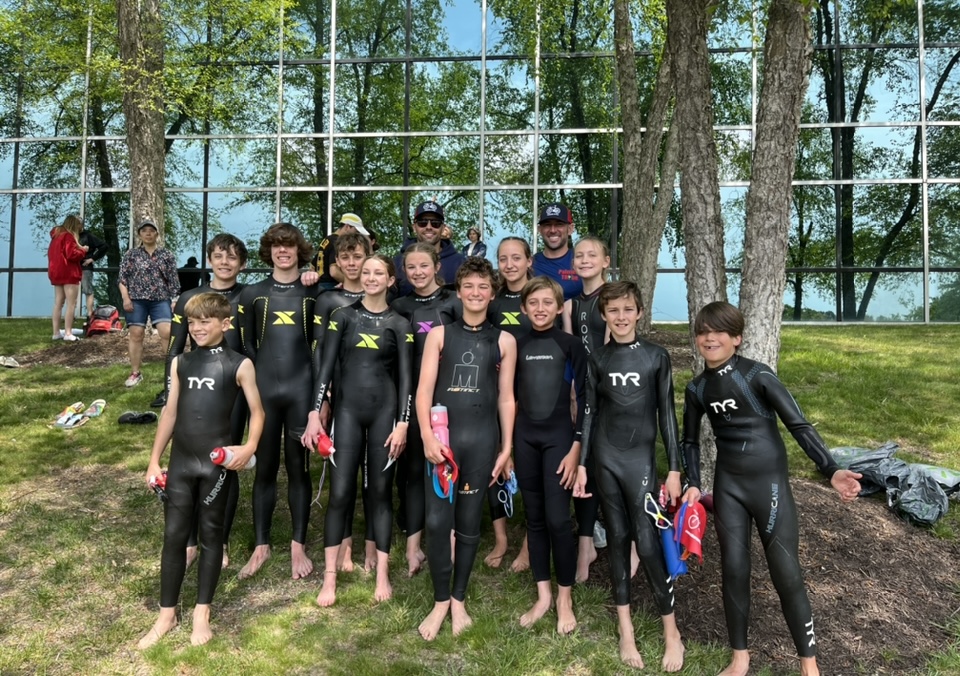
[[846, 484], [397, 440], [241, 456], [691, 496], [568, 470], [153, 470], [673, 487], [502, 467], [313, 430], [580, 486], [433, 450]]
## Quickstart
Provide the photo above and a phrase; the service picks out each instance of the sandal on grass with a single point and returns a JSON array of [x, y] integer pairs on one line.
[[96, 408], [66, 413]]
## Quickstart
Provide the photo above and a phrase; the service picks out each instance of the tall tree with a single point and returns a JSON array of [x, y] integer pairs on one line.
[[786, 66], [141, 41]]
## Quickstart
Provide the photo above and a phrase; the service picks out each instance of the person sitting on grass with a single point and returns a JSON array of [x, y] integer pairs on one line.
[[204, 384], [743, 399]]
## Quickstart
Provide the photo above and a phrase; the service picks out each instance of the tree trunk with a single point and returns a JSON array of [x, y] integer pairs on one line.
[[699, 181], [642, 224], [786, 67], [140, 33]]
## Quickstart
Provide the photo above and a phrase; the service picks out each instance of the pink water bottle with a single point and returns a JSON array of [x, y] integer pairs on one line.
[[224, 456], [159, 485], [438, 423]]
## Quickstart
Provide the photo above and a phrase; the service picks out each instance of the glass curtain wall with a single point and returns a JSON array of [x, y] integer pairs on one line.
[[302, 111]]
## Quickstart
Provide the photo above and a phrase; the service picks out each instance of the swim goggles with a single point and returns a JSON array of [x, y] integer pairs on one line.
[[652, 507], [508, 488], [445, 475]]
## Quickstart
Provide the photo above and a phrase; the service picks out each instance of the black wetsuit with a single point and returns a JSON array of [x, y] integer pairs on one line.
[[423, 313], [373, 353], [630, 395], [743, 399], [196, 488], [277, 324], [587, 323], [179, 335], [549, 364], [468, 385]]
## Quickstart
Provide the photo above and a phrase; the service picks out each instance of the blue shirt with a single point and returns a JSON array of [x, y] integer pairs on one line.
[[560, 269]]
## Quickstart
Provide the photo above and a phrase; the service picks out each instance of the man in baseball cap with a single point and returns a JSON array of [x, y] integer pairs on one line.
[[428, 222], [556, 258], [325, 262]]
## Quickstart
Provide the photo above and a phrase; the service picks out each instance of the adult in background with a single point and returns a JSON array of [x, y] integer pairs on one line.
[[63, 268], [148, 282], [475, 247], [325, 262], [190, 276], [96, 249], [428, 226], [556, 259]]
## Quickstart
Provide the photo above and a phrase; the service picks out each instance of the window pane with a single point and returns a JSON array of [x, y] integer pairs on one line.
[[306, 99], [944, 297], [576, 158], [508, 160], [510, 95], [577, 93], [443, 97], [731, 80]]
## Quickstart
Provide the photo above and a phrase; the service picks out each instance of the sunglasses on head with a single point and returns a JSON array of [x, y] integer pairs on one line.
[[429, 223]]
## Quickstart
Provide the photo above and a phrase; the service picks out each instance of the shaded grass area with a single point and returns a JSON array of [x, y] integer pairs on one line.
[[80, 536]]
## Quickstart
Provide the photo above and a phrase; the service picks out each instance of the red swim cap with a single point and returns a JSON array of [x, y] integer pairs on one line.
[[689, 526]]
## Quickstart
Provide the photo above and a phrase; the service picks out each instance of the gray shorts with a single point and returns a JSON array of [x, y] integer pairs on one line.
[[86, 282]]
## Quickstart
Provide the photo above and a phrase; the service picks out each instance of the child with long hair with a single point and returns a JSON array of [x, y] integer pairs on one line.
[[64, 256]]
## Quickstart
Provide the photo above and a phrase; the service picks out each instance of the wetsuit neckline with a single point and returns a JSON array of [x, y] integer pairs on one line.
[[730, 362], [470, 327], [213, 348], [590, 296], [545, 333], [627, 346], [429, 297], [507, 293], [222, 291]]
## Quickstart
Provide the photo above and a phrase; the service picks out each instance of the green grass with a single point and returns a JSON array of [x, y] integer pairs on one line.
[[80, 536]]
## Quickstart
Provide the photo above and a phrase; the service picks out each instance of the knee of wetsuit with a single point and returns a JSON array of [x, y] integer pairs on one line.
[[467, 539]]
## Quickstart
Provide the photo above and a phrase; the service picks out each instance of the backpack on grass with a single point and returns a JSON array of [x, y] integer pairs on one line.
[[105, 318]]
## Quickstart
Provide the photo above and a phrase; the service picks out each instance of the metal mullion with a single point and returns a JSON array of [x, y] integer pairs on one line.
[[276, 207], [331, 112], [925, 205], [86, 115], [483, 113], [536, 136]]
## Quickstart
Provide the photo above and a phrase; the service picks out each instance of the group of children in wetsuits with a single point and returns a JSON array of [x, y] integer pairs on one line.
[[575, 412]]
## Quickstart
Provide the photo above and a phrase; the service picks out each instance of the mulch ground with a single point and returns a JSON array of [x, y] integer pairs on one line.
[[883, 592]]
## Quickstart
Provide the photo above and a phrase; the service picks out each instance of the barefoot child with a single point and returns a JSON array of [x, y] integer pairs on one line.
[[630, 394], [468, 366], [204, 384], [742, 399], [550, 363]]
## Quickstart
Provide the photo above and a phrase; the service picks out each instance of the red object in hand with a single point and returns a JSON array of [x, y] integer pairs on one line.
[[158, 484], [325, 445], [224, 456]]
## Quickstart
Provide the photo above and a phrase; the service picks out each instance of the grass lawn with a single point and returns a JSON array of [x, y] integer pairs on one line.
[[80, 536]]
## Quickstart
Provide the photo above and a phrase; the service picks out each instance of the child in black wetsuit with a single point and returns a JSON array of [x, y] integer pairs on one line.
[[743, 399], [204, 384]]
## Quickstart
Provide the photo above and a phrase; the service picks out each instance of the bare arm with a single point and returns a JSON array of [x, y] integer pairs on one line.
[[247, 380], [506, 405], [429, 367], [168, 418]]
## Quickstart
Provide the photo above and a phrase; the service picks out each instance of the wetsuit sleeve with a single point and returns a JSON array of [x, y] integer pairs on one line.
[[692, 419], [578, 359], [319, 331], [404, 369], [590, 411], [248, 324], [332, 338], [779, 398], [178, 339], [667, 412]]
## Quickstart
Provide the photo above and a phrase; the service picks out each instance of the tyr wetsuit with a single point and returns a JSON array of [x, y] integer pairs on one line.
[[179, 335], [587, 323], [277, 323], [742, 399], [196, 488], [549, 364], [468, 385], [630, 395], [423, 313], [373, 353]]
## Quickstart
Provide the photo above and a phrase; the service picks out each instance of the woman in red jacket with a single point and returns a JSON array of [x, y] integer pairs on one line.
[[63, 267]]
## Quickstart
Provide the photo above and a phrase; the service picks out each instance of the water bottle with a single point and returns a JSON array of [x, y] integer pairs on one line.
[[158, 484], [438, 423], [224, 456], [325, 445]]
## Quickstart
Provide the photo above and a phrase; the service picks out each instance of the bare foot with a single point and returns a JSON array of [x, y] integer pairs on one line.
[[739, 664], [629, 654], [808, 666], [522, 562], [431, 624], [192, 554], [566, 620], [164, 624], [384, 591], [300, 564], [495, 557], [459, 618], [201, 625], [586, 555], [634, 560], [415, 561], [328, 593], [538, 610], [226, 558], [345, 559], [370, 556], [673, 655], [259, 557]]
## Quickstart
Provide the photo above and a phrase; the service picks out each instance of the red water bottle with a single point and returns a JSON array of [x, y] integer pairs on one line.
[[224, 456], [158, 484], [439, 424]]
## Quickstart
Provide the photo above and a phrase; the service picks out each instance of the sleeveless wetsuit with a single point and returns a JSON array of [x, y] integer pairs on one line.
[[373, 352], [468, 385], [549, 363], [179, 335], [630, 394], [742, 399], [196, 488], [423, 313], [276, 323]]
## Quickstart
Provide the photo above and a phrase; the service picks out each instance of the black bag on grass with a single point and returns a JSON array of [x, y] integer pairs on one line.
[[948, 479], [923, 502]]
